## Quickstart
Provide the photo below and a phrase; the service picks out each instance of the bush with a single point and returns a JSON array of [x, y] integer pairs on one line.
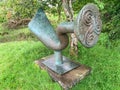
[[111, 18]]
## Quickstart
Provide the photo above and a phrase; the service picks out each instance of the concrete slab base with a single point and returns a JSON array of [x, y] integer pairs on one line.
[[69, 79]]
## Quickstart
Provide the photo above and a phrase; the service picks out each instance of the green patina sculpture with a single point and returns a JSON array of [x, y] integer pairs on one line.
[[87, 27]]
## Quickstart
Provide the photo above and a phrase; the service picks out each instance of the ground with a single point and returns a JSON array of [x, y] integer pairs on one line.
[[19, 72]]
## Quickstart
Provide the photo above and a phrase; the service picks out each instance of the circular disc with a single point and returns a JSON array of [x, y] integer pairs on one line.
[[88, 25]]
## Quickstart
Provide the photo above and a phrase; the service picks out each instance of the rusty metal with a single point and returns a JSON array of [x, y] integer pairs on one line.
[[86, 27]]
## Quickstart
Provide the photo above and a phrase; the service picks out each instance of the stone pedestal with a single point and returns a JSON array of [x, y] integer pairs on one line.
[[68, 79]]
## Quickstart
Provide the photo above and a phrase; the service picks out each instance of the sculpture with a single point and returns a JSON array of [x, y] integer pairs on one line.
[[86, 27]]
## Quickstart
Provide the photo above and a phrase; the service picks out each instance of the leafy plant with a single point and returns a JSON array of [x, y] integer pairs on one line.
[[111, 19], [23, 8]]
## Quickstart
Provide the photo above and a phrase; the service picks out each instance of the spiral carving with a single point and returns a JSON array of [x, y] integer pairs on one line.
[[87, 18], [90, 37], [88, 25]]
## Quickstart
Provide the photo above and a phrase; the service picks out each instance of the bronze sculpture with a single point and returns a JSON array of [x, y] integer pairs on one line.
[[86, 27]]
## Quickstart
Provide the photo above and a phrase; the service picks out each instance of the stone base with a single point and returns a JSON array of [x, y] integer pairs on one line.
[[69, 79], [67, 65]]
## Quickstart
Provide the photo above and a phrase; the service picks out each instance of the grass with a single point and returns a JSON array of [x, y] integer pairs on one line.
[[18, 71], [8, 35], [19, 49]]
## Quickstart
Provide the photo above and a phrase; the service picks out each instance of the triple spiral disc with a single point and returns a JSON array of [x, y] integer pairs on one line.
[[88, 25]]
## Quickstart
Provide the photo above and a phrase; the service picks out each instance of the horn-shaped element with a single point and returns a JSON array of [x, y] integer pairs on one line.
[[86, 27], [42, 28]]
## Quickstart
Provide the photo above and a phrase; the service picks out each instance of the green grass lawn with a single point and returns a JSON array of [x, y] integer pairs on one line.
[[19, 49], [18, 71]]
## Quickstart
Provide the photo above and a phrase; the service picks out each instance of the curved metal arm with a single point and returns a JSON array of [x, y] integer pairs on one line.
[[62, 30], [42, 28]]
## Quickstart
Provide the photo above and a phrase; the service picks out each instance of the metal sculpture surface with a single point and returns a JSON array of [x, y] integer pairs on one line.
[[86, 27]]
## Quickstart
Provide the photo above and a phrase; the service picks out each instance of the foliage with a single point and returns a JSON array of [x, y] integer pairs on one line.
[[3, 12], [23, 8], [78, 4], [111, 19], [110, 13], [18, 9]]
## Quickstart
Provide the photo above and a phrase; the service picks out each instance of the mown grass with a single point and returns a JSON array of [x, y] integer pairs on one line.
[[18, 71]]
